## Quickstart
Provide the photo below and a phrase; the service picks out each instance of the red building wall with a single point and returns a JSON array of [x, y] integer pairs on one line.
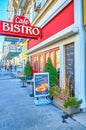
[[61, 21]]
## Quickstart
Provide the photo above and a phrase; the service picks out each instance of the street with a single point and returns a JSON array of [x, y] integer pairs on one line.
[[18, 111]]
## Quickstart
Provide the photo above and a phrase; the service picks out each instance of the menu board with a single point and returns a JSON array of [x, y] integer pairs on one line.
[[69, 60], [41, 84], [69, 53]]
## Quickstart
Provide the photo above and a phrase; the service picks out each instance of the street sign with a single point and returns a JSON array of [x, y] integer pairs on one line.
[[13, 39]]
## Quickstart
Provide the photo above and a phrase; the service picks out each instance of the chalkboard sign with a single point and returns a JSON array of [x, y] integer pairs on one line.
[[69, 53], [69, 66], [41, 84]]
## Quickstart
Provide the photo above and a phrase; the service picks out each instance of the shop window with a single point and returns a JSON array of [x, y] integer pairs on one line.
[[39, 4], [32, 61], [47, 55], [35, 64], [58, 65], [41, 63], [52, 58], [43, 2], [58, 60]]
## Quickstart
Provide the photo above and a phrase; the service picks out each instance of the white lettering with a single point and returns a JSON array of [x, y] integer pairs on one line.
[[25, 21], [17, 20], [6, 27], [23, 29], [35, 31], [21, 21], [20, 29], [17, 29], [11, 27], [29, 29]]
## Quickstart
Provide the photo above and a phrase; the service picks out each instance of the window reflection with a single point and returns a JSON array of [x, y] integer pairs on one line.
[[58, 60], [41, 62], [52, 57], [47, 55]]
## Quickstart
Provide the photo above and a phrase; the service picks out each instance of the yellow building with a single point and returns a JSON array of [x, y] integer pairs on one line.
[[84, 7], [24, 49]]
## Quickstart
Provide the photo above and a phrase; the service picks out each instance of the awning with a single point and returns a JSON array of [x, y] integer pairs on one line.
[[9, 39], [13, 53]]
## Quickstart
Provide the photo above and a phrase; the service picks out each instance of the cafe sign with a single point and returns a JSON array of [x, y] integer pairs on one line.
[[20, 27]]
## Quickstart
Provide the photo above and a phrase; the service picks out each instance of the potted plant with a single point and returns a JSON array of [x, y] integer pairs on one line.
[[28, 71], [54, 91], [63, 98], [53, 79], [73, 105], [23, 79], [58, 95]]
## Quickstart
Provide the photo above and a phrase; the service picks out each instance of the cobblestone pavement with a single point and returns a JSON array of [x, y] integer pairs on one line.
[[18, 111]]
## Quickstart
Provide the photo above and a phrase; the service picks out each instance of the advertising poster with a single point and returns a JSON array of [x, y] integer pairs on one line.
[[41, 84]]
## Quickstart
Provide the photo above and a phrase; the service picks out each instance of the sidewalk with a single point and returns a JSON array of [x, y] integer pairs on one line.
[[18, 111], [81, 118]]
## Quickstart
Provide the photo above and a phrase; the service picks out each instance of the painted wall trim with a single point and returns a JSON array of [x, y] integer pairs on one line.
[[69, 31], [53, 12]]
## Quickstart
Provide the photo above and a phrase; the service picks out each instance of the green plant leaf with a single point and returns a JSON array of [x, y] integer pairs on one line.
[[73, 102], [28, 71], [53, 79]]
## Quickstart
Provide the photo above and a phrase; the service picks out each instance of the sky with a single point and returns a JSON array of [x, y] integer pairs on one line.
[[3, 16]]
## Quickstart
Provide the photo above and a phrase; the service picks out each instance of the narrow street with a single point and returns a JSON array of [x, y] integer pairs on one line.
[[18, 111]]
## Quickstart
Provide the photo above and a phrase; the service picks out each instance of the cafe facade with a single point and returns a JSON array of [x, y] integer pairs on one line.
[[63, 39]]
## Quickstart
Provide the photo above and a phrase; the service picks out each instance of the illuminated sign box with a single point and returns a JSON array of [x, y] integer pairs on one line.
[[20, 27]]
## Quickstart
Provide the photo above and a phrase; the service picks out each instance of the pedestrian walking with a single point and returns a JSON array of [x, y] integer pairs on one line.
[[15, 68], [5, 67], [10, 67]]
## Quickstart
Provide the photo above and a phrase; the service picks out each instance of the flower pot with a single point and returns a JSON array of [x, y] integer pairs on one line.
[[60, 104]]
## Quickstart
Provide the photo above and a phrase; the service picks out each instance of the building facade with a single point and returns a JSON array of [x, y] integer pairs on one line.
[[11, 47], [63, 39]]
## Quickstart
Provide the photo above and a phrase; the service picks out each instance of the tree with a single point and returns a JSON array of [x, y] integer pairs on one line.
[[53, 79], [28, 71]]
